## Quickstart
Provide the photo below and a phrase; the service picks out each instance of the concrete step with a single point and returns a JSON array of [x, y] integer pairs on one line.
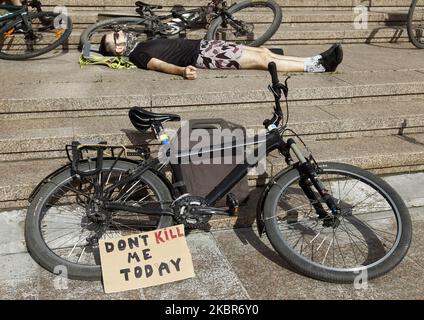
[[304, 34], [383, 155], [45, 138], [342, 4], [298, 27], [57, 87], [292, 16], [206, 93]]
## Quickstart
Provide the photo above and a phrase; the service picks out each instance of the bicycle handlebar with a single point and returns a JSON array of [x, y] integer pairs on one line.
[[276, 88], [272, 68]]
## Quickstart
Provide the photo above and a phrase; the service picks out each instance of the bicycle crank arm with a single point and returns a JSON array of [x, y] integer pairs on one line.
[[217, 211]]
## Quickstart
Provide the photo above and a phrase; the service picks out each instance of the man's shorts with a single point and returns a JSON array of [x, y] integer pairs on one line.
[[219, 54]]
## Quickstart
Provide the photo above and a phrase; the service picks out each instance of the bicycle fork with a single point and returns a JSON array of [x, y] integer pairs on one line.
[[308, 180]]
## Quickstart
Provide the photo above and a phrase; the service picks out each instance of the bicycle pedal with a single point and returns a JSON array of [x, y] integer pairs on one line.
[[233, 204]]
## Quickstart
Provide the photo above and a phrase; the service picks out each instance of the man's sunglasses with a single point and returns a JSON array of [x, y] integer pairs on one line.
[[116, 38]]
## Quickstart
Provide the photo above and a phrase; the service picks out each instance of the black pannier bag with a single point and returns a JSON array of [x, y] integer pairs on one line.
[[197, 177]]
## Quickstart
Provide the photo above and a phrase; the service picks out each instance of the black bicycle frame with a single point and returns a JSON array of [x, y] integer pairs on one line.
[[272, 142], [13, 12], [155, 21]]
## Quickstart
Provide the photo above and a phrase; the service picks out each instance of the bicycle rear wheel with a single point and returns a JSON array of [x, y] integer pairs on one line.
[[252, 23], [415, 24], [367, 238], [48, 31], [65, 221], [95, 32]]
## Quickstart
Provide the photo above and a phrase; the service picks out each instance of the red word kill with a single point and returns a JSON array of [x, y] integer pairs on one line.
[[165, 235]]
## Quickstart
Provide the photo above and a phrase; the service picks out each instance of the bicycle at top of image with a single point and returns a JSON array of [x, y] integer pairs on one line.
[[415, 24], [248, 22], [27, 33]]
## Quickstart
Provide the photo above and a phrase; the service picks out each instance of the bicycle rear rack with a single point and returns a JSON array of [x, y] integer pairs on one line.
[[94, 151]]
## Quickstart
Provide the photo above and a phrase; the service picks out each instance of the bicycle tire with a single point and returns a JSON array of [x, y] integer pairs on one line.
[[410, 26], [275, 24], [89, 32], [37, 15], [35, 241], [313, 269]]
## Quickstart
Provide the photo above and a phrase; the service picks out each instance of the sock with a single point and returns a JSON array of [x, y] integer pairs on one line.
[[312, 64]]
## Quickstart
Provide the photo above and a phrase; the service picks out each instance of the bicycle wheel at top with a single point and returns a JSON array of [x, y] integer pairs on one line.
[[48, 31], [95, 32], [415, 24], [370, 236], [252, 23], [64, 223]]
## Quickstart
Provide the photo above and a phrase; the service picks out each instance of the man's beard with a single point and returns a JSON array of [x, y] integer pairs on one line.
[[132, 42]]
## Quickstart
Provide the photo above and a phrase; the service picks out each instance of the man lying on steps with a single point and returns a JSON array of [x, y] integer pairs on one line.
[[183, 57]]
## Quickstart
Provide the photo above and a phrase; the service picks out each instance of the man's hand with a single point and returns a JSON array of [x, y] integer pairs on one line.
[[190, 73]]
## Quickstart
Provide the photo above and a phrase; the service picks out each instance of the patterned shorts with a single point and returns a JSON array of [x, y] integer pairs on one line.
[[219, 54]]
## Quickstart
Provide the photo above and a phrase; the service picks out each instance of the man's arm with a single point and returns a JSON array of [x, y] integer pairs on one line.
[[162, 66]]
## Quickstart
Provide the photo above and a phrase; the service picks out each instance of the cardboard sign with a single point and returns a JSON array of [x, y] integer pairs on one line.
[[145, 259]]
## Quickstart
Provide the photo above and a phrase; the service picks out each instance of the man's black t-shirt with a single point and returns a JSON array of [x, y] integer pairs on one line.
[[180, 52]]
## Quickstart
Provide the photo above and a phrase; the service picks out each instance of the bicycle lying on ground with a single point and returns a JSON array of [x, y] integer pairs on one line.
[[415, 24], [26, 34], [330, 221], [237, 23]]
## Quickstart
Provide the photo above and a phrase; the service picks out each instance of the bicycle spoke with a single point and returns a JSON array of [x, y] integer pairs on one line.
[[308, 204], [328, 250]]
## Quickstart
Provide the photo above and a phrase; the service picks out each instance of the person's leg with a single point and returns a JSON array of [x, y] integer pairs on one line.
[[258, 58], [270, 54]]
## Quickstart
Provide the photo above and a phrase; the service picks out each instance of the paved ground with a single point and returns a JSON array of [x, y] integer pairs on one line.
[[229, 264]]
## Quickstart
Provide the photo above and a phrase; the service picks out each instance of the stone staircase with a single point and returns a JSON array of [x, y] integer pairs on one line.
[[369, 113]]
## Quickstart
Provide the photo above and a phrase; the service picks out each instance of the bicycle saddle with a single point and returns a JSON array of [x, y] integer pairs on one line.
[[143, 119], [151, 6]]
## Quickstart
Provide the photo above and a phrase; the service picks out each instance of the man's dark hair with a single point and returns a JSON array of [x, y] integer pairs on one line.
[[102, 48]]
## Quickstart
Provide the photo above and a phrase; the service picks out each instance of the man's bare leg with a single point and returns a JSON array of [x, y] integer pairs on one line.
[[258, 58], [272, 54]]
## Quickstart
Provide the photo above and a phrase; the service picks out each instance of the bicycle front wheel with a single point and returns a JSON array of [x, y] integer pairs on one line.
[[367, 238], [415, 24], [250, 23], [47, 31], [65, 221]]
